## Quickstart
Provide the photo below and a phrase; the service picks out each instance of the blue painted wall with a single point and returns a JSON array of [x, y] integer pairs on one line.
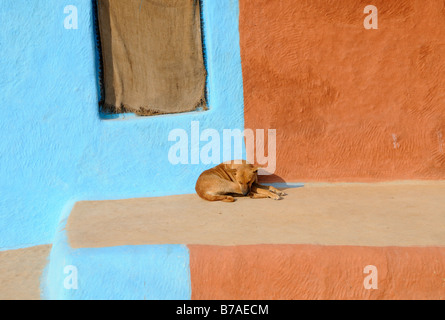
[[56, 149]]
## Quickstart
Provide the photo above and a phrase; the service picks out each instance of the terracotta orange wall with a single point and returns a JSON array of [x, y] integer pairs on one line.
[[348, 104], [268, 272]]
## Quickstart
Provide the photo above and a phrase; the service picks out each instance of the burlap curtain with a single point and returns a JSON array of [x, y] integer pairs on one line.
[[152, 56]]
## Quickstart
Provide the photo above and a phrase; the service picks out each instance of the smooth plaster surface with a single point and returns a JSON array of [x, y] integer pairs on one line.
[[382, 214]]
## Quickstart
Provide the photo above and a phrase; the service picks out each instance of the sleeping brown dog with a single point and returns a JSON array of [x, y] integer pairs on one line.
[[230, 178]]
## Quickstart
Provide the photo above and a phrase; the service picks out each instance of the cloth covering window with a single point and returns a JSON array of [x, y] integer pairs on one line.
[[152, 56]]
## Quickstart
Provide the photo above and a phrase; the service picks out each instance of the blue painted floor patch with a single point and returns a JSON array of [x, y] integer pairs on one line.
[[143, 272]]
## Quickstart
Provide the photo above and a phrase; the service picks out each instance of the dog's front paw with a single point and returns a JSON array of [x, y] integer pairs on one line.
[[276, 197], [278, 192]]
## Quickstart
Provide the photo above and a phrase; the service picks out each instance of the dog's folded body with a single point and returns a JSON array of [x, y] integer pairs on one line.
[[233, 178]]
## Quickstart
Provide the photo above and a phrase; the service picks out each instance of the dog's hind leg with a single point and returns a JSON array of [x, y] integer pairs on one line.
[[212, 197], [211, 189]]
